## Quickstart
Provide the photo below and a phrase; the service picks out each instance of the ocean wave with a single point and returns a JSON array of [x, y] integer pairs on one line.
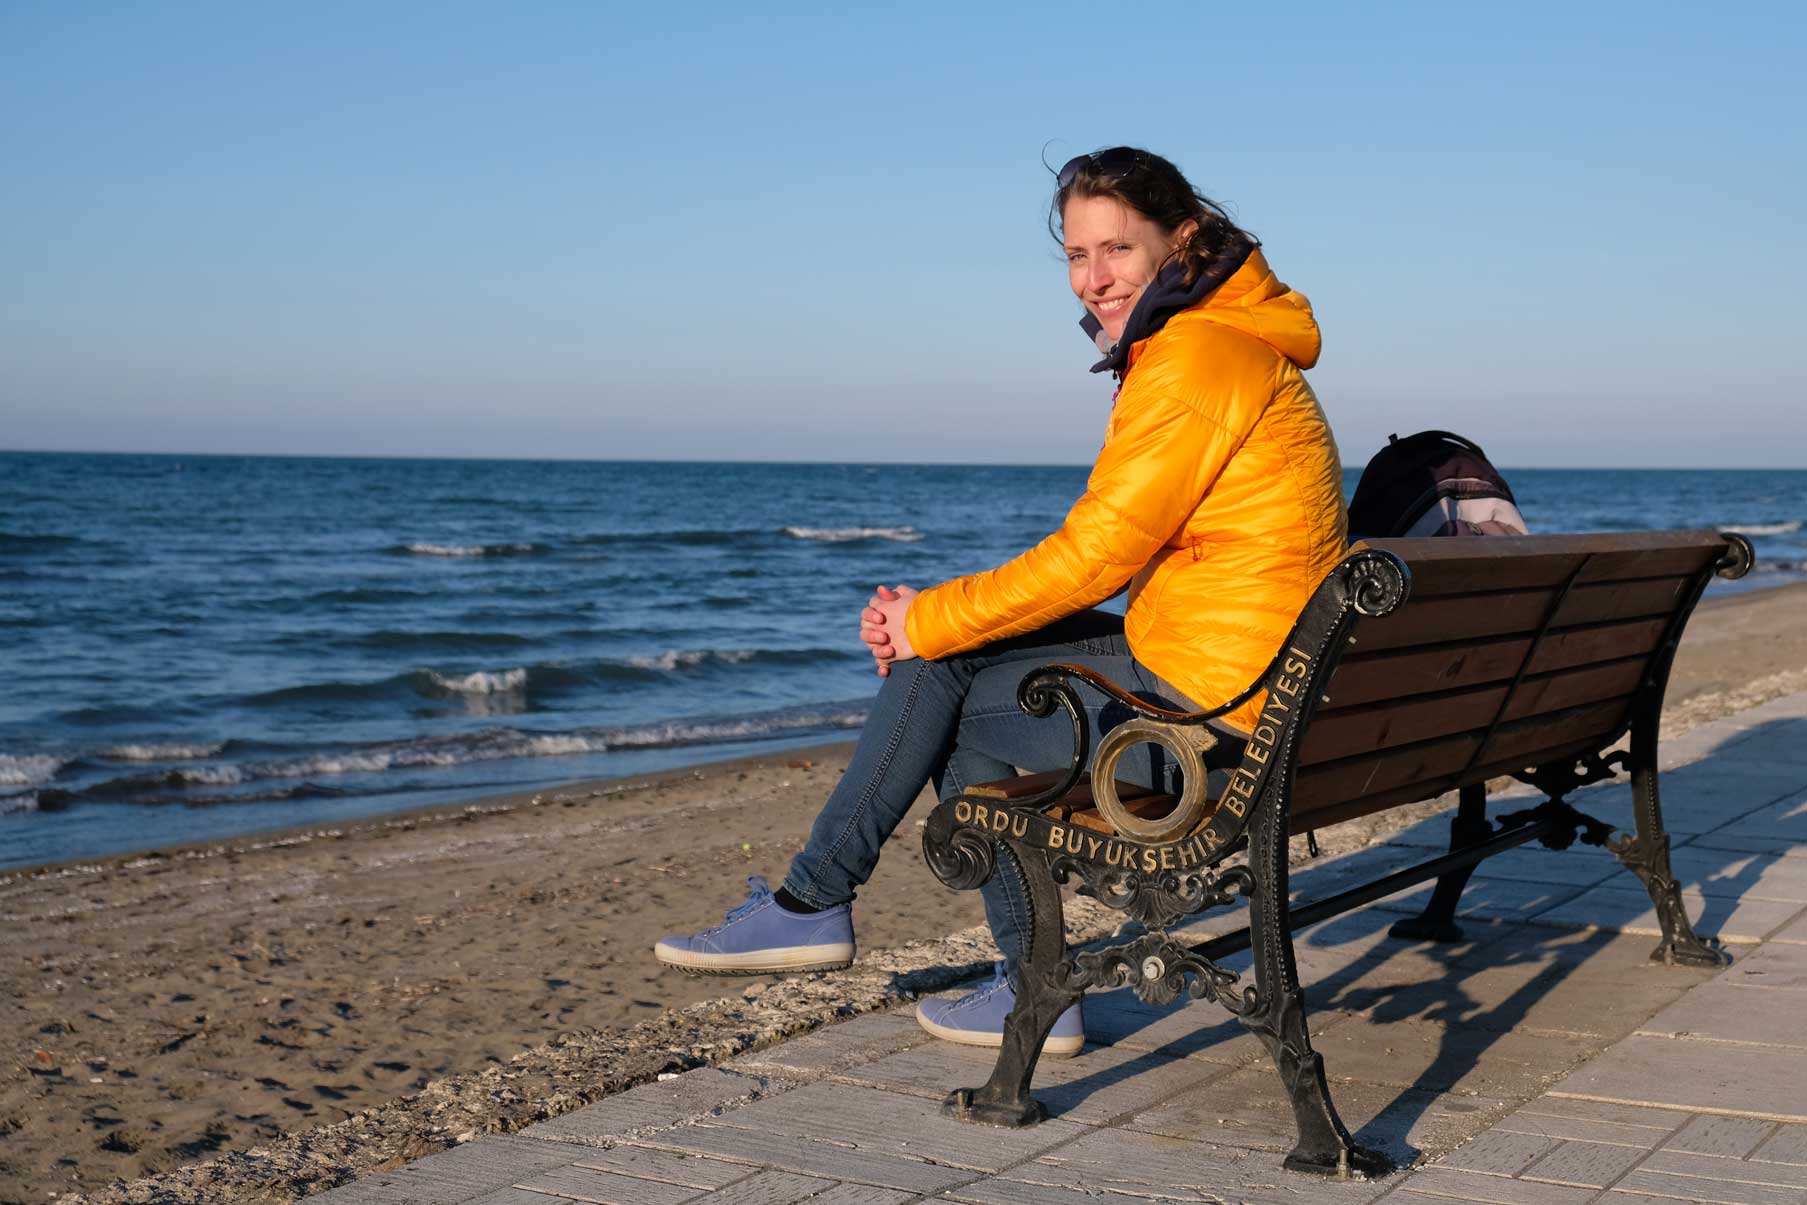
[[464, 550], [153, 786], [542, 676], [687, 658], [678, 733], [329, 692], [412, 684], [168, 752], [846, 535], [374, 761], [269, 794], [480, 682], [18, 805], [1765, 529], [496, 744], [29, 770], [188, 785], [208, 776]]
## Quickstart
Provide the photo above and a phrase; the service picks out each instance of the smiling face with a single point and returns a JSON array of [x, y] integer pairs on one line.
[[1112, 254]]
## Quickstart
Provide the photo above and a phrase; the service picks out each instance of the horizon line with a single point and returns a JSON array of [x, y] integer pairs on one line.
[[966, 464]]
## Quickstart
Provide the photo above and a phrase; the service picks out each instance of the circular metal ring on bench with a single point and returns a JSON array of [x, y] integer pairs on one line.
[[1187, 744]]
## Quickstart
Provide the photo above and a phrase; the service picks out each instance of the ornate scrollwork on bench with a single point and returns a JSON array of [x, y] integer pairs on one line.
[[1159, 898], [1558, 779], [1159, 970]]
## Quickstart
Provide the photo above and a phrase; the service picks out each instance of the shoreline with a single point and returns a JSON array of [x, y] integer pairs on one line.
[[408, 819], [338, 996], [489, 802]]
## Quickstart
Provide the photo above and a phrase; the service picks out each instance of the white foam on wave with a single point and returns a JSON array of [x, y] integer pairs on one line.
[[498, 744], [481, 682], [30, 770], [18, 805], [673, 659], [492, 746], [212, 776], [466, 549], [1765, 529], [368, 762], [842, 535], [564, 744], [696, 732], [171, 752]]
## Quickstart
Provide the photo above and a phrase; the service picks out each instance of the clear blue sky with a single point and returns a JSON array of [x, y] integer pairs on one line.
[[1577, 232]]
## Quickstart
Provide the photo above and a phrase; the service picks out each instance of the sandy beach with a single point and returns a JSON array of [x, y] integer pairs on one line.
[[167, 1007]]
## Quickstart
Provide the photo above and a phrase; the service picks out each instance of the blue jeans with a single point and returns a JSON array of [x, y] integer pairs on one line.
[[956, 722]]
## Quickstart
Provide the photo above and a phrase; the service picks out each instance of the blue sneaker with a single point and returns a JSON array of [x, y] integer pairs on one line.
[[761, 938], [978, 1019]]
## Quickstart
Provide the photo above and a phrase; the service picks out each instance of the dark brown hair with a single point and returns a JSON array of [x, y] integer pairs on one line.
[[1157, 190]]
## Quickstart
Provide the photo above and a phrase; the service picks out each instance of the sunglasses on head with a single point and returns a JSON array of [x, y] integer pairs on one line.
[[1114, 163]]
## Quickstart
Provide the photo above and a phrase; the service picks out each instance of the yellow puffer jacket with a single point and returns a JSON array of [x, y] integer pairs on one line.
[[1217, 497]]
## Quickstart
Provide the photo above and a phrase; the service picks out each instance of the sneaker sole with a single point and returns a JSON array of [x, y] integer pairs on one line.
[[1060, 1048], [795, 960]]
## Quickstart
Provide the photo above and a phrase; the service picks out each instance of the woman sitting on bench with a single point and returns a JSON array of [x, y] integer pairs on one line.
[[1216, 499]]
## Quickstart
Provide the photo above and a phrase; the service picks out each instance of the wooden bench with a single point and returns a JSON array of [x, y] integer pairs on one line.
[[1418, 667]]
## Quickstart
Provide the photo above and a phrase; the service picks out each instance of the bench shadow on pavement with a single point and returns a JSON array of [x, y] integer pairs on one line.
[[1388, 981]]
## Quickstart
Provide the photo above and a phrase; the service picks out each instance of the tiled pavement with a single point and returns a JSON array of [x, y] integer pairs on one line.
[[1543, 1060]]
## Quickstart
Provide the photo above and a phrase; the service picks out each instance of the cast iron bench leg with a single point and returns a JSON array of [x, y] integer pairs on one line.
[[1277, 1017], [1004, 1100], [1438, 920], [1647, 854]]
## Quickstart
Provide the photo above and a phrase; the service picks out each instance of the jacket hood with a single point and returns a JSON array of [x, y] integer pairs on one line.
[[1237, 289]]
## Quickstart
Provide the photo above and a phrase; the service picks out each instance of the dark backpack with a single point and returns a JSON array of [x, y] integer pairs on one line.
[[1434, 483]]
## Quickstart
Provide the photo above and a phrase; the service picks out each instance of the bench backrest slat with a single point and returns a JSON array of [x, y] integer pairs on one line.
[[1455, 617], [1508, 652], [1379, 800]]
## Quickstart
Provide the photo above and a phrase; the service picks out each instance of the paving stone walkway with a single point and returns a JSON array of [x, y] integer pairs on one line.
[[1545, 1059]]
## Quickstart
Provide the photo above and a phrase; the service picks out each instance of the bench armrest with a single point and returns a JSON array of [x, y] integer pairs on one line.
[[1046, 676], [1367, 581]]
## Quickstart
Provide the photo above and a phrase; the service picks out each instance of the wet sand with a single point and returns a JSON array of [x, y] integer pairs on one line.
[[164, 1008]]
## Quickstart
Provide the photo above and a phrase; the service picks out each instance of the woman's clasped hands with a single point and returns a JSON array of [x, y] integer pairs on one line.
[[882, 626]]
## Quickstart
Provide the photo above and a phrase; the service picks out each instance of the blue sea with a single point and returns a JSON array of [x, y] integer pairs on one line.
[[195, 647]]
